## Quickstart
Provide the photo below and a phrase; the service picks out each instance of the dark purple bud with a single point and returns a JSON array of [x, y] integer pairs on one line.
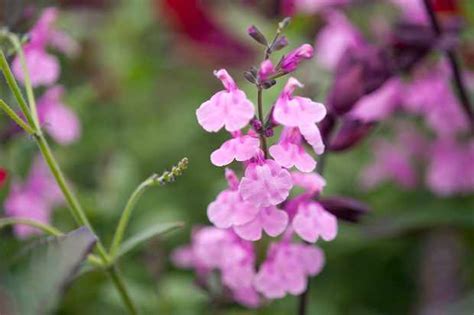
[[250, 77], [280, 43], [327, 126], [268, 132], [347, 89], [256, 124], [350, 134], [290, 62], [345, 208], [268, 84], [254, 71], [255, 33]]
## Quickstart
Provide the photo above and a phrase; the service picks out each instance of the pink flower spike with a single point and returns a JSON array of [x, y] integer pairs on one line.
[[289, 151], [312, 221], [297, 111], [291, 61], [265, 184], [60, 122], [43, 68], [229, 108], [241, 148], [271, 220]]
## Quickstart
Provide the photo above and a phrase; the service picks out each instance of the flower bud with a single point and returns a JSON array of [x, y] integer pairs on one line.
[[250, 77], [345, 208], [255, 33], [290, 62], [346, 90], [280, 43], [351, 133]]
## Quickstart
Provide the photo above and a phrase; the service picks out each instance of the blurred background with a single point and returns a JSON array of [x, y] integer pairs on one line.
[[143, 68]]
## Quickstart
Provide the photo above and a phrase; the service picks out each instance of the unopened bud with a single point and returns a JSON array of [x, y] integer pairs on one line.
[[250, 77], [255, 33], [268, 84], [284, 23], [280, 43], [350, 134], [345, 208]]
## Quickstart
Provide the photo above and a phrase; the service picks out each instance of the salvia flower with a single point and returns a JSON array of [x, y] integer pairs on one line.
[[61, 123], [229, 108], [240, 148], [287, 268], [43, 67], [290, 62]]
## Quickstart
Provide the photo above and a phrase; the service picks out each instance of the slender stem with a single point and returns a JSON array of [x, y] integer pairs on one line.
[[126, 214], [15, 88], [453, 62], [14, 116], [48, 229], [76, 209], [263, 139], [117, 278], [26, 74], [153, 180]]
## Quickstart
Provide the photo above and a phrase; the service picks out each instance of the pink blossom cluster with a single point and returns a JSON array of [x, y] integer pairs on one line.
[[267, 198], [36, 197], [445, 151]]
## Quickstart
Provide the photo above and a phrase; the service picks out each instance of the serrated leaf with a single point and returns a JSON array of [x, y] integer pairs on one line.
[[38, 280], [152, 231]]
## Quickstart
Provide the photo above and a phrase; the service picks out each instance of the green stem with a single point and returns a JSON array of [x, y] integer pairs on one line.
[[153, 180], [15, 88], [76, 209], [14, 116], [263, 139], [74, 206], [26, 74], [48, 229], [116, 277], [126, 214]]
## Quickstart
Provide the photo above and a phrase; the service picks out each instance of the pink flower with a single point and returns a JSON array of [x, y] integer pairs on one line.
[[290, 152], [221, 250], [270, 219], [335, 38], [291, 61], [413, 10], [266, 70], [265, 184], [24, 203], [229, 209], [286, 269], [43, 68], [313, 183], [379, 104], [430, 95], [310, 6], [451, 169], [301, 112], [59, 121], [313, 221], [229, 108], [392, 162], [241, 148], [41, 182]]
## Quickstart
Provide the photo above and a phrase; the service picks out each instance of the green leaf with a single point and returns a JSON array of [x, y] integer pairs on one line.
[[40, 276], [152, 231]]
